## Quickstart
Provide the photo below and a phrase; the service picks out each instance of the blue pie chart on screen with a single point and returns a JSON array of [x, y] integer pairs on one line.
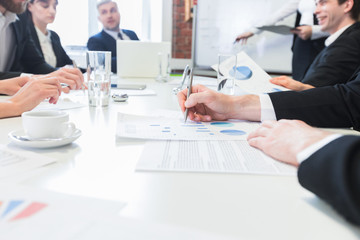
[[241, 73], [222, 124], [232, 132]]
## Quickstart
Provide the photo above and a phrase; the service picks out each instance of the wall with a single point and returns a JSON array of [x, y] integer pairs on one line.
[[182, 32]]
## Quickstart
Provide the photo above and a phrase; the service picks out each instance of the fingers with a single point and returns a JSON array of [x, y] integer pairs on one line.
[[70, 76]]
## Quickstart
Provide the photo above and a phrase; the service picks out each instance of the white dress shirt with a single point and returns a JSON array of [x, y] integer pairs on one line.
[[46, 47], [305, 7], [114, 34], [7, 39]]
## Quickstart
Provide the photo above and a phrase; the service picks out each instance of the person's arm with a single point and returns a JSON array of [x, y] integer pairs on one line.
[[330, 107], [331, 172], [205, 104], [30, 95], [316, 32]]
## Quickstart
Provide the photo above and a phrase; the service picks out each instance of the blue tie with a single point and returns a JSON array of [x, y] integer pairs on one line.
[[120, 36]]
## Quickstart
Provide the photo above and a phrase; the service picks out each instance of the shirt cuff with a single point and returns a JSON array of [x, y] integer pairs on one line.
[[317, 33], [267, 108], [307, 152], [26, 75]]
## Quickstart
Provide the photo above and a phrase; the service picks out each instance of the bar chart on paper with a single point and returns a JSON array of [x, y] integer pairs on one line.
[[13, 210], [162, 128]]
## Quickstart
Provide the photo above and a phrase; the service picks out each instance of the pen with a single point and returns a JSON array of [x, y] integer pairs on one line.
[[189, 87]]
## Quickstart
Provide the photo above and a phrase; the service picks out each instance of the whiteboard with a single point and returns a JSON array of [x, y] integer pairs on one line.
[[218, 22]]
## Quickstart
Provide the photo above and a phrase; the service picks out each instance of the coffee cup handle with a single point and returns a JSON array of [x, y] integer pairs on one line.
[[68, 129]]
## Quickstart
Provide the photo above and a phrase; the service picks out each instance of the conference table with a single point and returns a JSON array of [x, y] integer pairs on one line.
[[242, 206]]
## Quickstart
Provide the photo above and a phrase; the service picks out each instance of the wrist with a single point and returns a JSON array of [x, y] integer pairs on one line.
[[246, 107], [9, 109]]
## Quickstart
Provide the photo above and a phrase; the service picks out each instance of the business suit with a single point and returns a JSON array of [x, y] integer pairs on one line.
[[27, 57], [330, 106], [337, 62], [104, 42], [62, 58], [304, 51], [332, 173]]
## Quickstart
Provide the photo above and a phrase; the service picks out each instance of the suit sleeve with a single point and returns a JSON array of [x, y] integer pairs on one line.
[[61, 56], [338, 62], [333, 173], [95, 44], [332, 107]]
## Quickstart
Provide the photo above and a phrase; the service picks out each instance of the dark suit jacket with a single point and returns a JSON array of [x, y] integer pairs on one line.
[[62, 58], [104, 42], [332, 106], [332, 173], [27, 57], [337, 62]]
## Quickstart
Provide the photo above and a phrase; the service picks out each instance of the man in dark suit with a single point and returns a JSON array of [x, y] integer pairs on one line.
[[339, 59], [109, 16], [329, 164], [18, 53]]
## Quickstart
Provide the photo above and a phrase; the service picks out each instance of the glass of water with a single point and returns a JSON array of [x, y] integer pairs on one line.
[[98, 77]]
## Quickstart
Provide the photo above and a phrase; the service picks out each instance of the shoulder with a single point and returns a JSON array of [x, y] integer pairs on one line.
[[98, 36]]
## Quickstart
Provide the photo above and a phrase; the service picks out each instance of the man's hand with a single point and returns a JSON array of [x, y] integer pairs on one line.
[[284, 139], [205, 104], [304, 32], [290, 83], [70, 76], [244, 37]]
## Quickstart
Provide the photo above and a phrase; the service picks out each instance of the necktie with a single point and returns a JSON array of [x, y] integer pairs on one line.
[[120, 36]]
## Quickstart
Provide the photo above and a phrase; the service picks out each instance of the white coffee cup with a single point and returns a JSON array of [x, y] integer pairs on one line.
[[47, 124]]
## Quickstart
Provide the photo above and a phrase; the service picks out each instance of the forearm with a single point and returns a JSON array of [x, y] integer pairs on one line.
[[245, 107], [9, 109]]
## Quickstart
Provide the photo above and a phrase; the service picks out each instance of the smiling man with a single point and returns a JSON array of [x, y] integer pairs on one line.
[[109, 16], [341, 56], [330, 106]]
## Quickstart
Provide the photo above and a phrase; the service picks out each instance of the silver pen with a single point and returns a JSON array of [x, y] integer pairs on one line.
[[189, 87]]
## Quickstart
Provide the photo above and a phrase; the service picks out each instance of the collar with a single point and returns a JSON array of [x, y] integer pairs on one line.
[[114, 34], [42, 37], [332, 38], [9, 17]]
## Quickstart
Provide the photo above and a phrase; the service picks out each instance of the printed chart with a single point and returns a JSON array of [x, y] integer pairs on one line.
[[147, 127], [13, 210]]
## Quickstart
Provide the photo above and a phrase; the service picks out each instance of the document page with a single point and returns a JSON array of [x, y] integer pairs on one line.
[[17, 162], [170, 128], [209, 156], [249, 76]]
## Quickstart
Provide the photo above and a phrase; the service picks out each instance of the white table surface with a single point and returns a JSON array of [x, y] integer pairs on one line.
[[243, 206]]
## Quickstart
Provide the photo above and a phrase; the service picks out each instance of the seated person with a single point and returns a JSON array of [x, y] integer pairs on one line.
[[329, 164], [27, 93], [41, 13], [19, 54], [109, 16], [339, 59]]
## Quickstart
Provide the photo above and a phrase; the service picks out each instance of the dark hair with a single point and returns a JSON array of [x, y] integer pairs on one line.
[[45, 1], [355, 11]]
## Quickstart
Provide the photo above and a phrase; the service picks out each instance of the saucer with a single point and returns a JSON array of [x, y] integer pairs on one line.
[[41, 143]]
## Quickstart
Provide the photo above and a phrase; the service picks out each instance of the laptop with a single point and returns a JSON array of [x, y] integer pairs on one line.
[[136, 59]]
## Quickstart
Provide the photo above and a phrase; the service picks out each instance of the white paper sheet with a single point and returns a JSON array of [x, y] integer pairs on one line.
[[206, 81], [258, 83], [13, 163], [163, 128], [30, 213], [209, 156]]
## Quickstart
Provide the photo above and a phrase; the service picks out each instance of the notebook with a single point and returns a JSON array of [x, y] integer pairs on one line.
[[141, 59]]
